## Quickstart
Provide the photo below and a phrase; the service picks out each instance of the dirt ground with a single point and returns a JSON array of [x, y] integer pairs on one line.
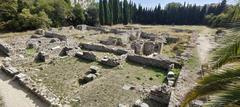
[[14, 95]]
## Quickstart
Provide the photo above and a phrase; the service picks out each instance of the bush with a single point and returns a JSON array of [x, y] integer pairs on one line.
[[27, 21]]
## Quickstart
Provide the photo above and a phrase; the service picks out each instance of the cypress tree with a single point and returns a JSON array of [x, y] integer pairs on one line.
[[110, 5], [115, 11], [101, 13], [106, 12], [125, 12]]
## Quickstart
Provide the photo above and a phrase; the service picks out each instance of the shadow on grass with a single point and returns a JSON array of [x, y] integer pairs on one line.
[[155, 69], [153, 103]]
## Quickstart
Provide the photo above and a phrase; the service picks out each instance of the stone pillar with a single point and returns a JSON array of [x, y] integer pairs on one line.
[[161, 50]]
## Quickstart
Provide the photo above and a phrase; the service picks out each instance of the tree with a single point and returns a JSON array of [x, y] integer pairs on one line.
[[125, 12], [110, 5], [92, 16], [78, 16], [222, 6], [106, 12], [223, 84], [115, 11], [101, 13]]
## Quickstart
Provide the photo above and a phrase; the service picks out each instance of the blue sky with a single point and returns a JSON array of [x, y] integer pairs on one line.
[[152, 3]]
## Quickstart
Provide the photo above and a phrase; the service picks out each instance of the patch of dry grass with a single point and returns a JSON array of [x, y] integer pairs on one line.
[[62, 76]]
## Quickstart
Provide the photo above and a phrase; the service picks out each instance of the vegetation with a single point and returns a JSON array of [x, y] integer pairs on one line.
[[174, 13], [19, 15], [223, 82]]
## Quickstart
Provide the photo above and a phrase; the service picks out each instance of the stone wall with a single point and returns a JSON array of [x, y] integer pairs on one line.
[[24, 80], [51, 34], [159, 61], [6, 49], [102, 48]]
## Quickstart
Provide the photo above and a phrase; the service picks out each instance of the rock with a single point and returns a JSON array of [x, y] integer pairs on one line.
[[7, 62], [86, 55], [137, 47], [94, 69], [161, 94], [87, 78], [112, 41], [42, 57], [132, 38], [6, 49], [51, 34], [122, 105], [71, 27], [32, 45], [126, 87], [112, 62], [40, 31], [71, 51], [139, 103], [95, 47], [148, 48], [9, 70], [120, 51], [82, 27], [145, 35]]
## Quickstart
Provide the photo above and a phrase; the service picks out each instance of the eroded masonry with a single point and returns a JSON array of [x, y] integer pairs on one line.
[[96, 66]]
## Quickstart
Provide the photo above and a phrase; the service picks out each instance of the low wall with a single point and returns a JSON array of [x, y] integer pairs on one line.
[[51, 34], [40, 91], [160, 61], [6, 49], [102, 48]]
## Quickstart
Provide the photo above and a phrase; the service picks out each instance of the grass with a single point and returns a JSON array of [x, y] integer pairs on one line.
[[1, 102], [31, 51], [193, 63], [62, 76]]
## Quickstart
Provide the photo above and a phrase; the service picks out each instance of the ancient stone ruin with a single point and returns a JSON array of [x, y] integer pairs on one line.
[[44, 47]]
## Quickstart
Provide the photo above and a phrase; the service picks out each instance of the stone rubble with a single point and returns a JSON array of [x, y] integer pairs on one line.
[[6, 49], [86, 55], [161, 94], [112, 62]]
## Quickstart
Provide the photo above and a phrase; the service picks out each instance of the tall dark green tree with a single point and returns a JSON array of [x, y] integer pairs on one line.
[[106, 12], [101, 13], [115, 11], [110, 5], [125, 12]]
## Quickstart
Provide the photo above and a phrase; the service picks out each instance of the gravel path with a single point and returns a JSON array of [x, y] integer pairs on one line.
[[204, 46], [187, 79], [15, 95]]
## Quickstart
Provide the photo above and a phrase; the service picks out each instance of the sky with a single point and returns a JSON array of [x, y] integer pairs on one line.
[[153, 3]]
